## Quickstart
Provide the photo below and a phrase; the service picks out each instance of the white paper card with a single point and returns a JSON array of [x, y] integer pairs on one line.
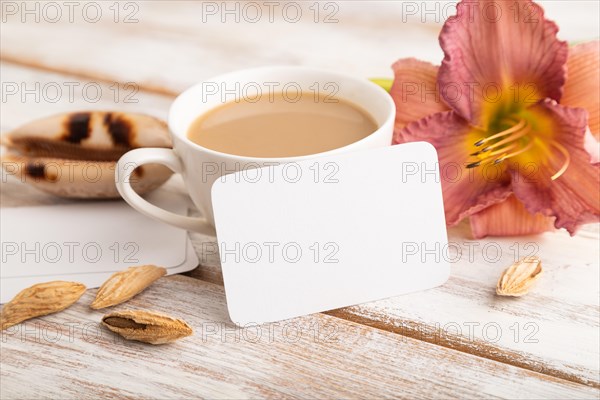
[[87, 242], [330, 232]]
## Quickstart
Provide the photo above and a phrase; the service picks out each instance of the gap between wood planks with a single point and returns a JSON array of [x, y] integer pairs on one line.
[[481, 349], [404, 328]]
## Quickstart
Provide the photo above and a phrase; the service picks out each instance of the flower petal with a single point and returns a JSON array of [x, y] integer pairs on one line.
[[508, 218], [583, 82], [574, 197], [592, 146], [415, 91], [465, 190], [500, 56]]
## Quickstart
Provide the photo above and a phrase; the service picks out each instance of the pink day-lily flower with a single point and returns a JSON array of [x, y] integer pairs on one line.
[[507, 121]]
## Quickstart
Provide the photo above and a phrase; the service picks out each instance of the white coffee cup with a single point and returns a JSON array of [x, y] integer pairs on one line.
[[201, 167]]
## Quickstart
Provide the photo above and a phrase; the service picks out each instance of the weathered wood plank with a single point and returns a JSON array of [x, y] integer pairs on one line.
[[169, 45], [29, 94], [568, 312], [68, 355], [554, 329], [191, 44]]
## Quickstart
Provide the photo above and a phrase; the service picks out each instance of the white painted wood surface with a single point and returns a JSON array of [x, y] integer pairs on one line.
[[554, 329], [168, 50], [467, 298], [67, 355], [175, 44]]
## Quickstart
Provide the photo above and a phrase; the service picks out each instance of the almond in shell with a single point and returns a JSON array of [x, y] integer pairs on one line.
[[146, 326], [123, 285], [519, 277], [41, 299]]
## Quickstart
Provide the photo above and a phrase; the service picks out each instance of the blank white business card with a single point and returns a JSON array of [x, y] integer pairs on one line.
[[330, 232]]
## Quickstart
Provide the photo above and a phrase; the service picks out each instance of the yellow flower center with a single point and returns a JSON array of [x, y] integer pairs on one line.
[[517, 137]]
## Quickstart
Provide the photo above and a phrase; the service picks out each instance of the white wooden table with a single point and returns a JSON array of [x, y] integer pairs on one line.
[[458, 340]]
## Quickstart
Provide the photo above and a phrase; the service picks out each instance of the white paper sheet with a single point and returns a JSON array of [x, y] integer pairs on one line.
[[87, 242]]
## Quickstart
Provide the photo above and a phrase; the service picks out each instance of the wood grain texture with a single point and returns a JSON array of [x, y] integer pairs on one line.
[[554, 329], [565, 300], [170, 45], [68, 355], [171, 48], [30, 94], [189, 44]]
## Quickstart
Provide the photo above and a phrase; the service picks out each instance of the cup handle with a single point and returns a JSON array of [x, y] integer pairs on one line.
[[167, 157]]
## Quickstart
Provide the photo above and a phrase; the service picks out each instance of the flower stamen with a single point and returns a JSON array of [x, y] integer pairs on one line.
[[515, 153], [495, 152], [490, 156], [567, 161], [517, 127], [510, 146], [515, 135], [503, 150]]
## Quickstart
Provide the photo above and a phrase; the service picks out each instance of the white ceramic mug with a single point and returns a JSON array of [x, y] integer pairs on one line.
[[201, 167]]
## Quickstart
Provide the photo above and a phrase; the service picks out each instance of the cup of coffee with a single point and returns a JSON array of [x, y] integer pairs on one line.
[[255, 118]]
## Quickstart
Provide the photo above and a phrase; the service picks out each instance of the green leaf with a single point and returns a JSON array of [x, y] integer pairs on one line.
[[385, 83]]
